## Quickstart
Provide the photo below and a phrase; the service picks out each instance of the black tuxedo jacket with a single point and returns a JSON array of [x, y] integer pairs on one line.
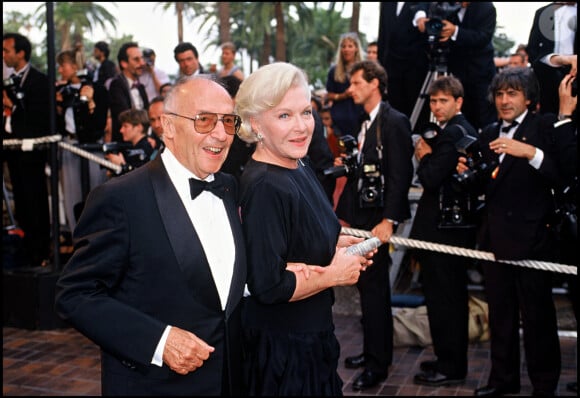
[[471, 55], [401, 45], [107, 70], [518, 201], [541, 44], [471, 60], [396, 166], [139, 266], [30, 117], [120, 100], [435, 172]]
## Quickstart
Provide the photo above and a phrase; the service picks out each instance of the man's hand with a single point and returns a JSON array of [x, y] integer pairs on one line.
[[383, 230], [116, 158], [447, 31], [422, 148], [185, 352]]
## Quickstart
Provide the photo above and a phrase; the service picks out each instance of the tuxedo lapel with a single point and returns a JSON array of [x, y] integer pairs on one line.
[[183, 237], [508, 161], [239, 273], [143, 95]]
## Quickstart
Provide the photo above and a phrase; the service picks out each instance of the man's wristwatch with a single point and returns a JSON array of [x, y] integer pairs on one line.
[[561, 116]]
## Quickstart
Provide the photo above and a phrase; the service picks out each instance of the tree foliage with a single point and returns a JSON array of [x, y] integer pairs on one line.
[[305, 34]]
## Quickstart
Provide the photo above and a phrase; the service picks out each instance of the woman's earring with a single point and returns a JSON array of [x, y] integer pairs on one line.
[[259, 136]]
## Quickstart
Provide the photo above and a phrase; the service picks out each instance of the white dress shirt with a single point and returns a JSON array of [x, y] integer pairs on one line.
[[210, 220]]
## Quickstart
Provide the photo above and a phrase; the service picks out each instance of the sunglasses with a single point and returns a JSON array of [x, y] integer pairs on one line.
[[205, 122]]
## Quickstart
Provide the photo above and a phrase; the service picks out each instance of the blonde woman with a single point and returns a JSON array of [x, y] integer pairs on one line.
[[345, 113], [289, 340]]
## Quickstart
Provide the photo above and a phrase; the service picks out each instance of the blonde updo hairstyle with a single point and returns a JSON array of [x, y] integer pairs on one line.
[[263, 90]]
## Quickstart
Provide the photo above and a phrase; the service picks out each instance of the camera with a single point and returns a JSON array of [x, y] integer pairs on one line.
[[108, 147], [439, 11], [370, 186], [12, 87], [349, 147], [147, 56], [479, 169], [116, 147], [456, 209], [430, 133], [70, 95]]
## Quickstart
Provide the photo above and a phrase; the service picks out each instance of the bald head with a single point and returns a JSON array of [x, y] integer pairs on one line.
[[198, 92], [201, 151]]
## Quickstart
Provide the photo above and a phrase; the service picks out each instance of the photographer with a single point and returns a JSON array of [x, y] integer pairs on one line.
[[515, 225], [134, 126], [552, 48], [465, 33], [153, 77], [26, 115], [444, 215], [81, 109], [566, 139], [375, 198]]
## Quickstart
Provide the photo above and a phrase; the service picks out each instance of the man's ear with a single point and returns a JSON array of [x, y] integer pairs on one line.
[[168, 127]]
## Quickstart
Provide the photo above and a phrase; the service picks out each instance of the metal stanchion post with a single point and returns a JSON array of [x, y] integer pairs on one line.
[[55, 205]]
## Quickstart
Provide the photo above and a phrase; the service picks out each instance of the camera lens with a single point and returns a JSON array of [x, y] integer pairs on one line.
[[369, 195]]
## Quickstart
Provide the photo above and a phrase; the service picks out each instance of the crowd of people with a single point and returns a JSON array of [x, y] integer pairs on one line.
[[235, 189]]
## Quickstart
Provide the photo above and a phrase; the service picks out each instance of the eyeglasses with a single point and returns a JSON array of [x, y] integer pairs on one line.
[[205, 122]]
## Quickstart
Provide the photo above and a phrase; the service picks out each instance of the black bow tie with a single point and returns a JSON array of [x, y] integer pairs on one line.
[[364, 117], [507, 129], [197, 186], [16, 77], [136, 84]]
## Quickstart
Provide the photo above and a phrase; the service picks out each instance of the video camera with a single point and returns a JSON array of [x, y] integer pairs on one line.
[[349, 147], [439, 11], [470, 148], [12, 87]]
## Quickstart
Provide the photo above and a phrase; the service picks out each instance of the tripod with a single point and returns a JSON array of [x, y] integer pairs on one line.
[[437, 67]]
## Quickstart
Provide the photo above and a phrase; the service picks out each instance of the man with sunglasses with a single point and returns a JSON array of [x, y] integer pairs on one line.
[[159, 266]]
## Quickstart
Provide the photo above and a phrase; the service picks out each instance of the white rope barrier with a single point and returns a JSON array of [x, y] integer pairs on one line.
[[28, 144], [461, 251], [88, 155]]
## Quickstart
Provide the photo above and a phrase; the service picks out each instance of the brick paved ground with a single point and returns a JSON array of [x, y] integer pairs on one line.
[[62, 362]]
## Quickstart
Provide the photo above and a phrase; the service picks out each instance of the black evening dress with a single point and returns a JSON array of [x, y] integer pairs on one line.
[[290, 347]]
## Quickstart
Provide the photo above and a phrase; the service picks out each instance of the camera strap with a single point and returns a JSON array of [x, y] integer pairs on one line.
[[380, 144]]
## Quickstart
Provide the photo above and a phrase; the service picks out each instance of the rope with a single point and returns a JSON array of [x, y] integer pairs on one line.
[[85, 154], [30, 142], [13, 142], [461, 251]]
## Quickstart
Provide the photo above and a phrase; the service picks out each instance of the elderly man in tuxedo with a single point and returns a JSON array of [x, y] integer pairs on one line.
[[158, 270]]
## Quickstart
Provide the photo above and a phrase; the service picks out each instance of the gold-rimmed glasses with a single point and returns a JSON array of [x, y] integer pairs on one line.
[[205, 122]]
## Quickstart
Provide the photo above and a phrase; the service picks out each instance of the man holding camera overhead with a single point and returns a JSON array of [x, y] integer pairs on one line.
[[152, 77], [466, 32], [375, 198], [444, 215]]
